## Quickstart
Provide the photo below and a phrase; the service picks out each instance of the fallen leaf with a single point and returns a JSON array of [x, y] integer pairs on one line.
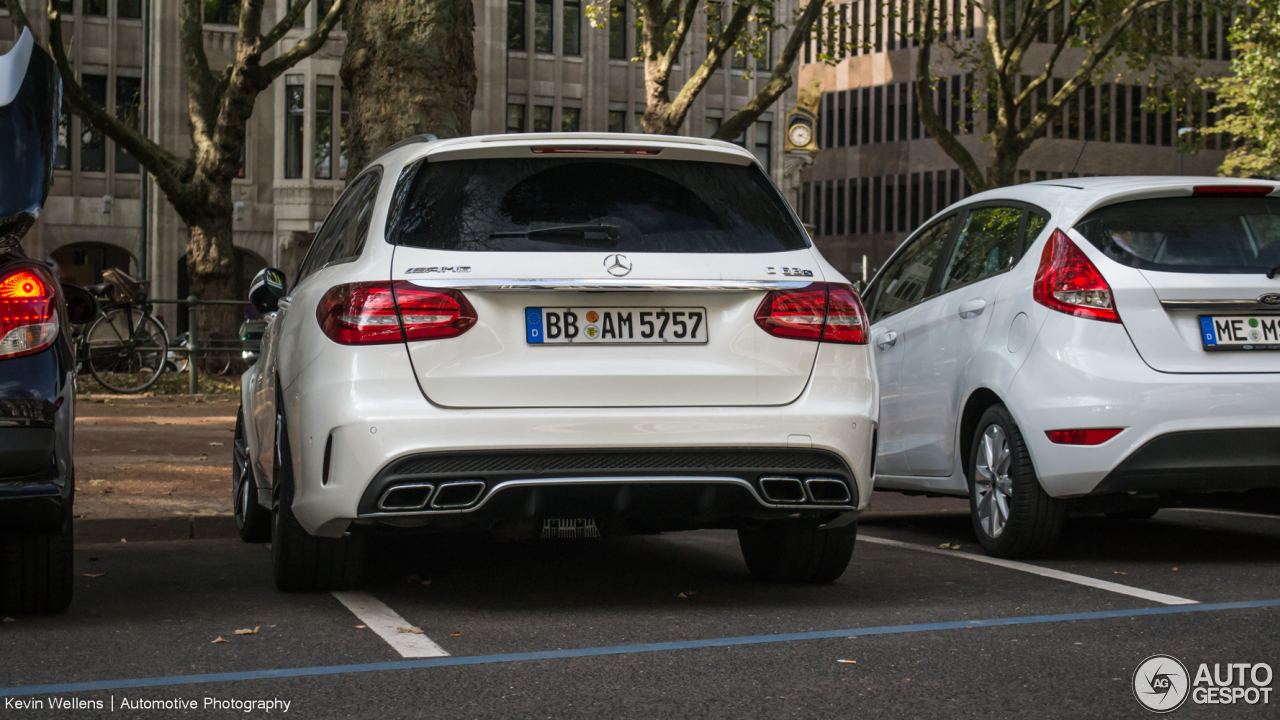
[[1117, 572], [1017, 608], [359, 627], [1175, 569], [691, 592], [218, 640], [204, 456], [215, 443], [455, 634], [848, 662], [414, 630], [247, 631], [682, 596], [8, 619], [949, 546], [425, 582], [123, 540], [94, 574]]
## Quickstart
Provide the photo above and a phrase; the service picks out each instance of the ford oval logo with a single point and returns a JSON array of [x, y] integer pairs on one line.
[[1269, 299]]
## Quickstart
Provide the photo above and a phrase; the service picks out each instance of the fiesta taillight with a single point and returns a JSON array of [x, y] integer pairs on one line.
[[1067, 281], [28, 313], [826, 312], [1082, 436], [377, 313]]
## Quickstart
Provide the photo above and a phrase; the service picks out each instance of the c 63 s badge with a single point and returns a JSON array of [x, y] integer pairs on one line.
[[789, 271], [439, 269]]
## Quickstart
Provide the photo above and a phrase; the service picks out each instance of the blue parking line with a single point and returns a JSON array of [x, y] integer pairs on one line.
[[618, 649]]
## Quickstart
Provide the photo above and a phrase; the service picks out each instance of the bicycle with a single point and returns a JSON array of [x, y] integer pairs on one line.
[[125, 346]]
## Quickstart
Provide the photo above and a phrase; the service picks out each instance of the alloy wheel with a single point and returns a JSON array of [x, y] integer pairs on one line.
[[240, 475], [992, 486]]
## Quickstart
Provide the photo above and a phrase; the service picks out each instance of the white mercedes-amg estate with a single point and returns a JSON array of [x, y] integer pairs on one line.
[[1093, 344], [567, 333]]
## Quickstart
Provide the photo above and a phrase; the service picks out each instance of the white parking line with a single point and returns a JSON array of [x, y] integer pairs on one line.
[[389, 626], [1226, 512], [1037, 570]]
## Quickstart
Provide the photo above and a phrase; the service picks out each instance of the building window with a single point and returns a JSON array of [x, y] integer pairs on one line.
[[515, 25], [93, 146], [62, 153], [891, 106], [542, 118], [572, 44], [765, 60], [93, 7], [570, 119], [66, 7], [244, 151], [543, 26], [129, 8], [515, 117], [618, 29], [323, 156], [617, 121], [293, 121], [841, 119], [710, 126], [344, 111], [226, 12], [764, 139], [128, 100]]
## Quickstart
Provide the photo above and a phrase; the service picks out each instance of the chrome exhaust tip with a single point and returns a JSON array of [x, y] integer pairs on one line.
[[782, 489], [405, 497], [452, 495], [828, 491]]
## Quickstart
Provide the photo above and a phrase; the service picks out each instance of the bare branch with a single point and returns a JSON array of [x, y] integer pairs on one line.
[[307, 47], [287, 23], [672, 51], [17, 16], [929, 114], [779, 80], [674, 111]]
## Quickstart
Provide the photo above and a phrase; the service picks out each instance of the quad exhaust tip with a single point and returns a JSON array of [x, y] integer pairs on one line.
[[782, 489], [453, 495], [791, 490], [406, 497], [828, 491]]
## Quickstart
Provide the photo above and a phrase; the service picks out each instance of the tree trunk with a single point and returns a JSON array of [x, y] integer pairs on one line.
[[211, 267], [411, 68]]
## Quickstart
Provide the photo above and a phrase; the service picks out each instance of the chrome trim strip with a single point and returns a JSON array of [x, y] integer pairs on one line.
[[632, 285], [1218, 305], [610, 481], [430, 491]]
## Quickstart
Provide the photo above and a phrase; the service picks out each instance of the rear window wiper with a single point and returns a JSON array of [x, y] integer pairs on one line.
[[586, 232]]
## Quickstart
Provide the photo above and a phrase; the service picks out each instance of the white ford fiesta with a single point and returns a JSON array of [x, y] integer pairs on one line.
[[1096, 344], [565, 333]]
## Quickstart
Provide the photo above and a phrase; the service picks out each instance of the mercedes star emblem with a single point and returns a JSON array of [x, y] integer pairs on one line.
[[617, 265]]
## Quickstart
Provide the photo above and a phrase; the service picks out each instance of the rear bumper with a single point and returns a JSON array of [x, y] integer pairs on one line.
[[26, 454], [371, 428], [1181, 432]]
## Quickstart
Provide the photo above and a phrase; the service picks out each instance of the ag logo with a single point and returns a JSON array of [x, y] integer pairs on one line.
[[1161, 683]]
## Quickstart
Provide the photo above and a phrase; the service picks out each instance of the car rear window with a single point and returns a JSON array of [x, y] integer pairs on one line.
[[1192, 235], [640, 206]]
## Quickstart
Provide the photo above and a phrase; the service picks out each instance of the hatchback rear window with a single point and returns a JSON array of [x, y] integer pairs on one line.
[[584, 205], [1189, 234]]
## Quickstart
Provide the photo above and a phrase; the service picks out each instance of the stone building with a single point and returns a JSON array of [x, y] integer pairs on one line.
[[878, 175], [541, 67]]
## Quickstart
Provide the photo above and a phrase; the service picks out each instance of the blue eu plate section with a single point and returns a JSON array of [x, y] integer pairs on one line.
[[1206, 329], [533, 324]]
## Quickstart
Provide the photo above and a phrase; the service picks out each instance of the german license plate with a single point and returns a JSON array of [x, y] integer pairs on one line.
[[615, 325], [1240, 332]]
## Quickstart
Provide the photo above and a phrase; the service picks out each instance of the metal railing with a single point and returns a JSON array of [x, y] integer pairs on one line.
[[195, 342]]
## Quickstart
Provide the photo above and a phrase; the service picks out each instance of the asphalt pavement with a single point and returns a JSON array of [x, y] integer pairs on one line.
[[662, 626]]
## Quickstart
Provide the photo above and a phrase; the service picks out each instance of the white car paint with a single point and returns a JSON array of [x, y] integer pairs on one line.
[[488, 390], [1148, 375]]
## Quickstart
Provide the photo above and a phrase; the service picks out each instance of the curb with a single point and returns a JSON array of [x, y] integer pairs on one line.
[[194, 527]]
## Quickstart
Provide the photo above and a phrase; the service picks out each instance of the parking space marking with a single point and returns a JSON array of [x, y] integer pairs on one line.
[[1042, 571], [389, 626], [1225, 512], [619, 649]]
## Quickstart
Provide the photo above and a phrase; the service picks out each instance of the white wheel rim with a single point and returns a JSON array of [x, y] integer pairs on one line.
[[992, 486]]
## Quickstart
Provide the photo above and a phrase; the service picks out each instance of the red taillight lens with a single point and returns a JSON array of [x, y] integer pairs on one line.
[[1085, 436], [1068, 282], [28, 313], [367, 314], [819, 311]]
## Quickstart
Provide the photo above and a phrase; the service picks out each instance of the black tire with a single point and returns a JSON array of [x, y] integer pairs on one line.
[[302, 562], [36, 571], [1034, 520], [1146, 514], [797, 551], [252, 520]]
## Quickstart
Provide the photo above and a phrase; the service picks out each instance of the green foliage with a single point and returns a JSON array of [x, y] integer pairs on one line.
[[1249, 101]]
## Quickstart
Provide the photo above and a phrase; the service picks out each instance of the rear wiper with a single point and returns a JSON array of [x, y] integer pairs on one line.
[[1271, 274], [586, 232]]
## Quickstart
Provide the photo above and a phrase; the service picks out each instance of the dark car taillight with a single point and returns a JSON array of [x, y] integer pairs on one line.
[[28, 313], [829, 312], [373, 313]]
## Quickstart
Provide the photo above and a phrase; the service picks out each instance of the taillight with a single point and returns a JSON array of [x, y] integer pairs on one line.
[[828, 312], [1067, 281], [1231, 190], [28, 313], [374, 313], [1082, 436]]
